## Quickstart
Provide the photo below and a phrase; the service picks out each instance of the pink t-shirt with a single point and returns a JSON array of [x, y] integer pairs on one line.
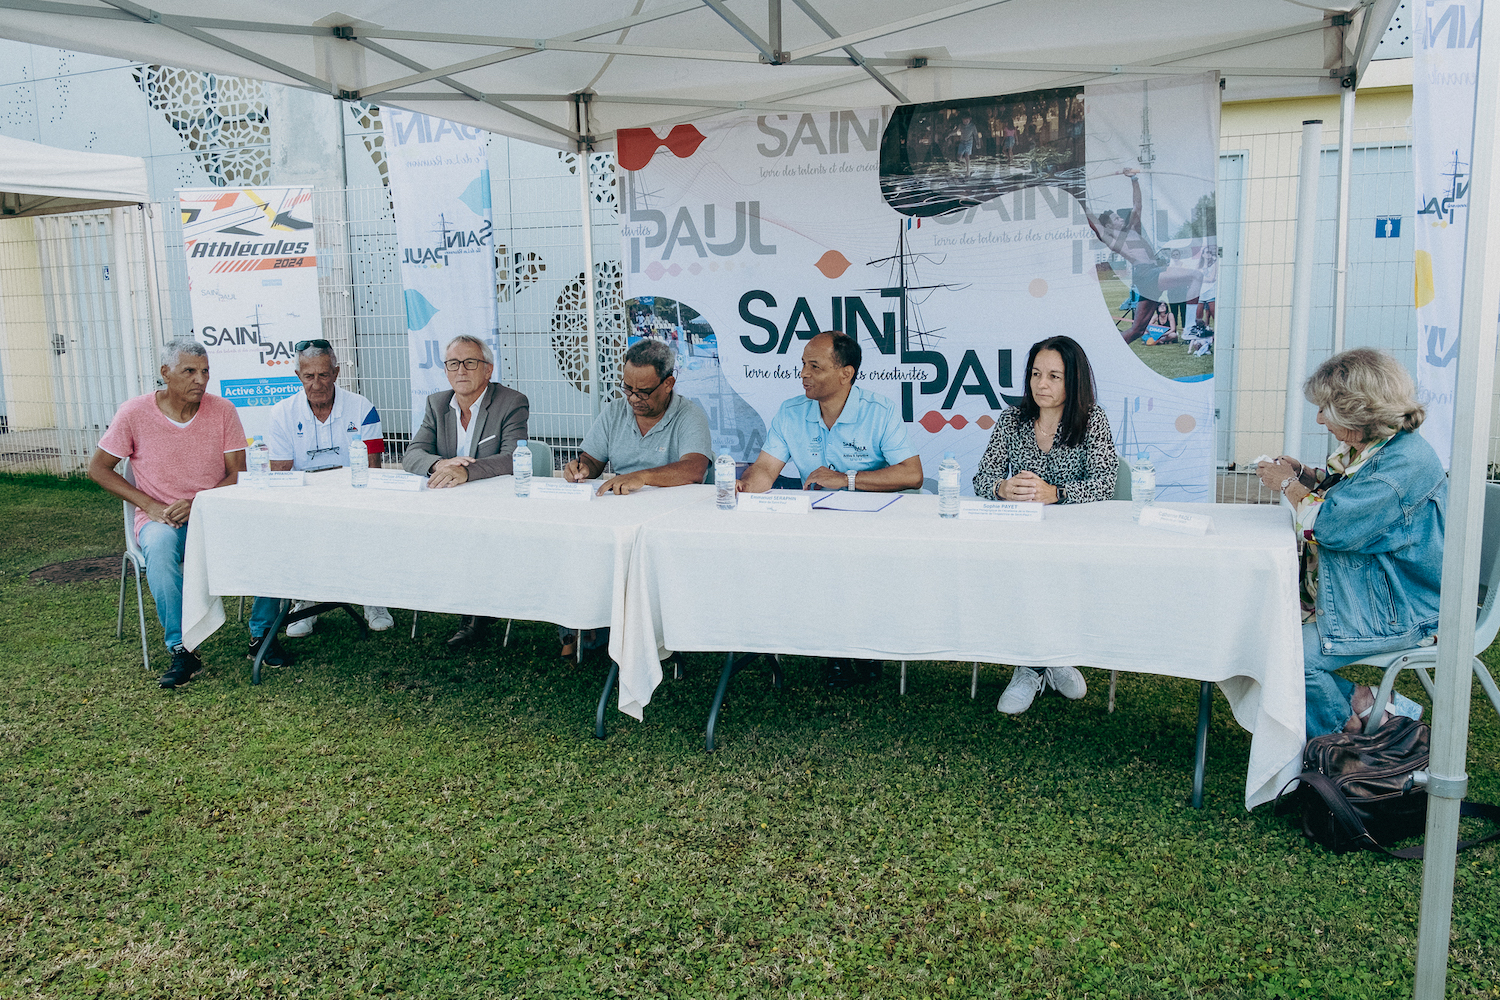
[[172, 463]]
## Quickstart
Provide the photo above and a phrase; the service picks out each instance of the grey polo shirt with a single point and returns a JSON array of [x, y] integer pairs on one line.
[[682, 430]]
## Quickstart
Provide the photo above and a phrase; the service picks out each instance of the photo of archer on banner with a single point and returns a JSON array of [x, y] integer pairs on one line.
[[946, 239]]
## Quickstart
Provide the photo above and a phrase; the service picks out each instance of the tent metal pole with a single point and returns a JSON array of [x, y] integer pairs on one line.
[[1341, 262], [1447, 779], [596, 384], [1302, 284]]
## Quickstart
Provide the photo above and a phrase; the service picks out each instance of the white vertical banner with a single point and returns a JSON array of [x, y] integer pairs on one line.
[[253, 284], [1443, 115], [440, 189]]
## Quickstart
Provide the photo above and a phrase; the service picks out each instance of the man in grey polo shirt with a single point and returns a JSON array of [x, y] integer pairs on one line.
[[652, 437]]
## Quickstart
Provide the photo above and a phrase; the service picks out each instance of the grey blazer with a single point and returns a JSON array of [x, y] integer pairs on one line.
[[502, 422]]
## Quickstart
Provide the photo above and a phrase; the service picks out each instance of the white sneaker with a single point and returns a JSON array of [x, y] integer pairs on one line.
[[1025, 684], [298, 629], [1067, 681], [379, 619]]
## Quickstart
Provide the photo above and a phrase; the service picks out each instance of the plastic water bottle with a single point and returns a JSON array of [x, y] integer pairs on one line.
[[521, 468], [1142, 484], [359, 459], [724, 481], [258, 462], [948, 486]]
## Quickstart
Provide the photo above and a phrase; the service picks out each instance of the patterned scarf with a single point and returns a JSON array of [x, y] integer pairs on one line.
[[1341, 465]]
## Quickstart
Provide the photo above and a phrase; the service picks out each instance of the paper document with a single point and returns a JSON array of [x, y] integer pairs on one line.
[[846, 500]]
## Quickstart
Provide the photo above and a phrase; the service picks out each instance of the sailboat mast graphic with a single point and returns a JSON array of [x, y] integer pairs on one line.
[[903, 270]]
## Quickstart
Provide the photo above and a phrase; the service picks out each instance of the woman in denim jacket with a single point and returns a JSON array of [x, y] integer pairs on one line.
[[1370, 527]]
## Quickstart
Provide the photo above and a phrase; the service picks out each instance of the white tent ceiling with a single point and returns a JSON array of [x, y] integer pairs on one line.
[[518, 68], [44, 180]]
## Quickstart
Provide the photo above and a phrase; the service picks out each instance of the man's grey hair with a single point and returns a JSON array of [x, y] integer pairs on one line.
[[469, 338], [652, 353], [173, 350], [311, 352]]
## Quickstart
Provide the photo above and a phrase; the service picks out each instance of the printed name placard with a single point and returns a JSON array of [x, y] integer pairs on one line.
[[1180, 521], [999, 510], [287, 478], [561, 489], [777, 502], [394, 479]]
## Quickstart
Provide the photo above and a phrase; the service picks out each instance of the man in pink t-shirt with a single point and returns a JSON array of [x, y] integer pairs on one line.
[[180, 442]]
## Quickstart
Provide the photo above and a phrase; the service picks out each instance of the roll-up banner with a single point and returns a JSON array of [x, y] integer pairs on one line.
[[1444, 67], [253, 284], [947, 238], [440, 189]]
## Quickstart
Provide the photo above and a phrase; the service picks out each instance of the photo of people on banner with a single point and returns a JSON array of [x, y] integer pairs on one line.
[[946, 238]]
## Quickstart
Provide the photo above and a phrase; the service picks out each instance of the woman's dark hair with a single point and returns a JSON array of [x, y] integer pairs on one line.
[[1078, 385]]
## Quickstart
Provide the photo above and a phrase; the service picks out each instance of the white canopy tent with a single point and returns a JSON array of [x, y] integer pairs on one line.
[[44, 180], [572, 72]]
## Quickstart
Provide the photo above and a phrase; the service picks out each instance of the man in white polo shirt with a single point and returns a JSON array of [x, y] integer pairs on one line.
[[310, 432]]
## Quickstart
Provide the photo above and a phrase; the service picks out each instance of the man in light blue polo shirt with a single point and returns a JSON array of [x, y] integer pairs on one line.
[[838, 436]]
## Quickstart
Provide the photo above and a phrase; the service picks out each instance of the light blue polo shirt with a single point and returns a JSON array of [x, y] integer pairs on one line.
[[867, 435]]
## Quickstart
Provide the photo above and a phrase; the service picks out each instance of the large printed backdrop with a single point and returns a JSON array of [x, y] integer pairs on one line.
[[253, 284], [947, 238]]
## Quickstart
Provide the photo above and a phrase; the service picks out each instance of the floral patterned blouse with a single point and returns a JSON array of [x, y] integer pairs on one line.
[[1081, 474]]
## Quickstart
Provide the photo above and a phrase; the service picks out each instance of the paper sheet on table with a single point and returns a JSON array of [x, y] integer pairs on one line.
[[866, 502]]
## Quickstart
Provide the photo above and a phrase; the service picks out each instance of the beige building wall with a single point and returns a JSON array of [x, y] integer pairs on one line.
[[25, 346], [1268, 133]]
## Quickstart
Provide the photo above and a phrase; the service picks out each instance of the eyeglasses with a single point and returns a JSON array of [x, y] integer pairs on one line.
[[631, 391], [467, 364], [303, 345]]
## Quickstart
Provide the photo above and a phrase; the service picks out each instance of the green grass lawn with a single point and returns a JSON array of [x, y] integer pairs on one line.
[[382, 818]]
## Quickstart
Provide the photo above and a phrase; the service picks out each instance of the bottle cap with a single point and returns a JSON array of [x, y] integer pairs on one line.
[[521, 443], [947, 454], [1142, 454]]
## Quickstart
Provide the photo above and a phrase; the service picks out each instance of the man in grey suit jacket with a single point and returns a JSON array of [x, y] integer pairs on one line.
[[467, 433], [471, 431]]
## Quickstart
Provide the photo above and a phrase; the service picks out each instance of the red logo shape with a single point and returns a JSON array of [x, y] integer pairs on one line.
[[634, 147], [935, 421], [833, 264]]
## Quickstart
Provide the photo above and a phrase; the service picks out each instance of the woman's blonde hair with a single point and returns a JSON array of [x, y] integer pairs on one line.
[[1365, 390]]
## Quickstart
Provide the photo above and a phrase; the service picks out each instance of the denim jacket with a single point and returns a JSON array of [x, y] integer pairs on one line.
[[1380, 551]]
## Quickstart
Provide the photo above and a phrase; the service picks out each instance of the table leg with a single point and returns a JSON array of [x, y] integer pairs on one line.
[[1200, 754], [903, 678], [732, 667], [609, 685], [974, 683], [274, 631]]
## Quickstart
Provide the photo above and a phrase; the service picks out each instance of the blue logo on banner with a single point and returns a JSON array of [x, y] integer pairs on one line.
[[258, 391], [477, 195], [419, 311], [1387, 227]]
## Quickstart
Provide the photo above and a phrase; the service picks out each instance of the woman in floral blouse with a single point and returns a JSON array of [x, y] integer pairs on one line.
[[1055, 447]]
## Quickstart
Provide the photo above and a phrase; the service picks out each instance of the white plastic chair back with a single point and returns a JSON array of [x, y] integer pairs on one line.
[[541, 459]]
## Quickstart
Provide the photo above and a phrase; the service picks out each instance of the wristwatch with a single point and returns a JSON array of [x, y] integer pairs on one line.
[[851, 480], [1289, 480]]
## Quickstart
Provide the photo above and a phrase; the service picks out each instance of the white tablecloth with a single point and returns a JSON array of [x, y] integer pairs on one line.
[[475, 549], [1086, 586]]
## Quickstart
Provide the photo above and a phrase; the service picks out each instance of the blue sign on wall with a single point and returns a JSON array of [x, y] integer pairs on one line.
[[1387, 227]]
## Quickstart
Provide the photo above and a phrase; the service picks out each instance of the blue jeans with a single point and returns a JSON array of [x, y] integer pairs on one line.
[[162, 546], [1328, 694], [263, 615]]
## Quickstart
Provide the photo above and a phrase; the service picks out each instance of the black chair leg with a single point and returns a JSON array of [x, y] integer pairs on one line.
[[1200, 753]]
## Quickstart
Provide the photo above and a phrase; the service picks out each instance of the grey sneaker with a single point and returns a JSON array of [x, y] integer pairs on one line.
[[1067, 681], [1025, 684], [379, 619]]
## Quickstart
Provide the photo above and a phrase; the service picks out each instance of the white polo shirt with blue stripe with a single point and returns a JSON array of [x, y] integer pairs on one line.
[[868, 434]]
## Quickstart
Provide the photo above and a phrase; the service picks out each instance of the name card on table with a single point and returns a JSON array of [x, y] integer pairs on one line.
[[287, 478], [999, 510], [1180, 521], [777, 502], [394, 479], [560, 489]]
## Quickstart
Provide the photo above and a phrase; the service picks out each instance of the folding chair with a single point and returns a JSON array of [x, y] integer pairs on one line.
[[136, 560]]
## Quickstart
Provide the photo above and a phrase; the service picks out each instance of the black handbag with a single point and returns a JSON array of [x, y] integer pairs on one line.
[[1356, 791]]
